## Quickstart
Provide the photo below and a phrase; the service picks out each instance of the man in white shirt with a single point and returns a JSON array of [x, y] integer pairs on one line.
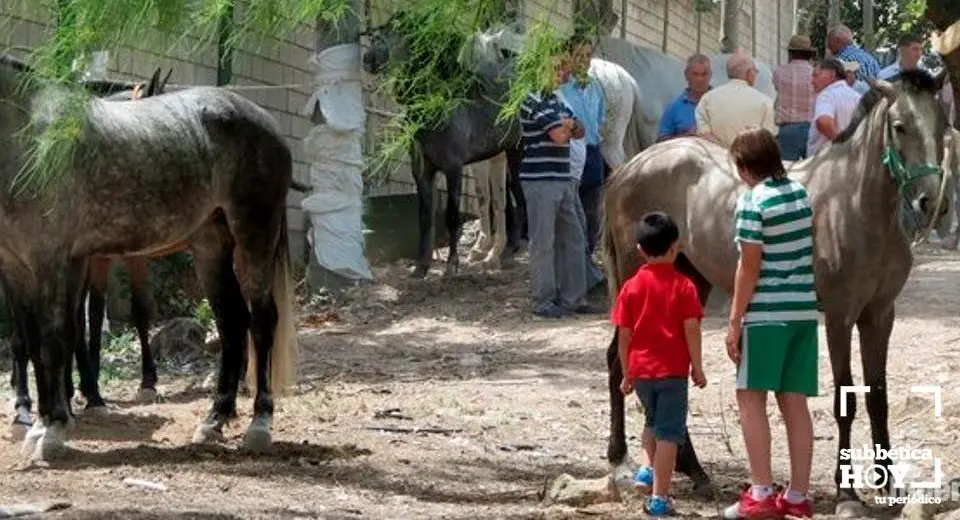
[[835, 104], [725, 111]]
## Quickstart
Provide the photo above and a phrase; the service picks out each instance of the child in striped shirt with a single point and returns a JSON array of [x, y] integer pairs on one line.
[[772, 335]]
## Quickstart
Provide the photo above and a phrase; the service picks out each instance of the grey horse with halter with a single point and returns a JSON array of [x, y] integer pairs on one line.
[[892, 150]]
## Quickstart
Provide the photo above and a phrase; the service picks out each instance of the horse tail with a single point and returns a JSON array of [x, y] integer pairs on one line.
[[283, 353], [633, 140], [608, 247]]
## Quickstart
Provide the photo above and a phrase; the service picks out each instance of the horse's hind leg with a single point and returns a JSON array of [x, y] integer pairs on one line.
[[517, 204], [263, 246], [498, 198], [687, 461], [838, 341], [481, 179], [617, 443], [454, 187], [140, 310], [875, 326], [212, 248], [423, 174], [89, 377]]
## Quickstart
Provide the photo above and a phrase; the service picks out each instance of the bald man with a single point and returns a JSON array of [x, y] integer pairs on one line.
[[725, 111]]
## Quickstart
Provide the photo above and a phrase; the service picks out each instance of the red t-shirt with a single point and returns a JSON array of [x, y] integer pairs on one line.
[[654, 303]]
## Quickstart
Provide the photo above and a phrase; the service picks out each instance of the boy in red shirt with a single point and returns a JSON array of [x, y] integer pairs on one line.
[[658, 315]]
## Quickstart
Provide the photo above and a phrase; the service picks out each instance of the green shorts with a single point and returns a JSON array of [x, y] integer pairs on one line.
[[780, 357]]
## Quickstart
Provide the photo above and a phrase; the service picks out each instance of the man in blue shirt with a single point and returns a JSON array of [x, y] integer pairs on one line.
[[679, 117], [583, 94], [840, 44]]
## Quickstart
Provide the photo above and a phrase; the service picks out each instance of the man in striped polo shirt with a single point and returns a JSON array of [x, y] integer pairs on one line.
[[772, 335], [557, 240]]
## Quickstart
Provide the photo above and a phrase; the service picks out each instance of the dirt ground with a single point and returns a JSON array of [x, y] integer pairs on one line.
[[513, 401]]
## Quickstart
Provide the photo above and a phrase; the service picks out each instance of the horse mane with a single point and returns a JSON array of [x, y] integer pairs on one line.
[[914, 81]]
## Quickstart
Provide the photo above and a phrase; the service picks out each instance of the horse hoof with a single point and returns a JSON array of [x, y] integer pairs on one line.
[[52, 444], [703, 489], [257, 439], [207, 433], [451, 270], [18, 430], [850, 509], [147, 396], [71, 422], [419, 273], [32, 438], [96, 411]]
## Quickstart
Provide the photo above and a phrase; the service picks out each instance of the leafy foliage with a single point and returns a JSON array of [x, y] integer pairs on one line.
[[87, 25], [892, 19], [430, 84]]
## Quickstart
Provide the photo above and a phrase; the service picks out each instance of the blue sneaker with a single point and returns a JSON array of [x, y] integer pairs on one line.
[[659, 506], [643, 478]]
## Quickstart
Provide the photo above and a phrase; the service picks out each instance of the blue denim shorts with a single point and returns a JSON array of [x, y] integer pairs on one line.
[[665, 407]]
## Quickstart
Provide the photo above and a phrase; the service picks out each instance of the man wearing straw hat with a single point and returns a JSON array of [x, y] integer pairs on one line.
[[794, 103]]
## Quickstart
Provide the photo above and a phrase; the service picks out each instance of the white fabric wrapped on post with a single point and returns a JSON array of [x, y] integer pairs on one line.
[[335, 207]]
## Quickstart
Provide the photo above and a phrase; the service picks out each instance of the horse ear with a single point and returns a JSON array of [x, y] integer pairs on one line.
[[154, 80], [163, 85], [884, 87]]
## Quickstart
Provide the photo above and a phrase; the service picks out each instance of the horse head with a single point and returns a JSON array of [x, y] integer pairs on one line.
[[490, 54], [387, 44], [913, 134]]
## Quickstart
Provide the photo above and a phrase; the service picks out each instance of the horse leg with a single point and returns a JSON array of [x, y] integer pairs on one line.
[[18, 375], [59, 295], [521, 230], [875, 326], [617, 443], [140, 309], [481, 179], [838, 341], [212, 247], [89, 378], [454, 186], [687, 461], [423, 174], [498, 199], [97, 290]]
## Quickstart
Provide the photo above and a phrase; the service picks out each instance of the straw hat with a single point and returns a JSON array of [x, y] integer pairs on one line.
[[800, 42]]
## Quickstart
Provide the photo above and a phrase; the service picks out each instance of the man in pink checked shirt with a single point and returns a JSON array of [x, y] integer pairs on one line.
[[795, 96]]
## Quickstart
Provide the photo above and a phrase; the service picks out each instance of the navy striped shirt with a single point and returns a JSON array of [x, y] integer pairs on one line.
[[543, 159]]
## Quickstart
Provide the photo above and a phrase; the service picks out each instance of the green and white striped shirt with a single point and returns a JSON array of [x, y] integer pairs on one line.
[[777, 215]]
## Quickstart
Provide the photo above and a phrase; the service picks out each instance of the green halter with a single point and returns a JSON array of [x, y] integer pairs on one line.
[[904, 175]]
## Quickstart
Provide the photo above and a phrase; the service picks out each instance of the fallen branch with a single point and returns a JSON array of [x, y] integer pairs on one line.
[[393, 429]]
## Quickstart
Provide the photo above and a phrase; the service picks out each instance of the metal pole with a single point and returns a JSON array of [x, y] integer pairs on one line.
[[699, 29], [779, 32], [753, 28], [666, 24], [624, 6], [868, 24]]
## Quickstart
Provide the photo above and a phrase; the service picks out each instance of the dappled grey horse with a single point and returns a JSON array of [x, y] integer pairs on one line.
[[87, 360], [862, 257], [203, 164], [471, 134]]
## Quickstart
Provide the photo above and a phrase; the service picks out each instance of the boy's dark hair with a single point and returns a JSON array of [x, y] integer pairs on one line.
[[909, 38], [756, 150], [656, 232]]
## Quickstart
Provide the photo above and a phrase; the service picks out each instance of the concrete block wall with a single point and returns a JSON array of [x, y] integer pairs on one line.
[[278, 61]]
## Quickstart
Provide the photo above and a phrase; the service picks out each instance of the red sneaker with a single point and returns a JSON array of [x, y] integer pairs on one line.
[[802, 510], [751, 509]]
